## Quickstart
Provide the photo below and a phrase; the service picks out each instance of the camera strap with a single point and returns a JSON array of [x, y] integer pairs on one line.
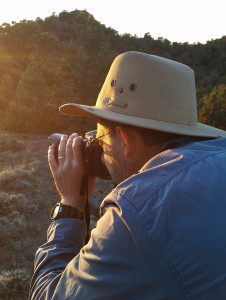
[[84, 191]]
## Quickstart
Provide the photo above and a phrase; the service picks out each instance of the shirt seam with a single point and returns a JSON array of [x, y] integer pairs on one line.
[[157, 246], [117, 191]]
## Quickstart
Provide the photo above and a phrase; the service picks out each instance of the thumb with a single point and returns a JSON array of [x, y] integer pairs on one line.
[[51, 159]]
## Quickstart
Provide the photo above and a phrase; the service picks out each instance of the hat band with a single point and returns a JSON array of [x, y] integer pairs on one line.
[[147, 110]]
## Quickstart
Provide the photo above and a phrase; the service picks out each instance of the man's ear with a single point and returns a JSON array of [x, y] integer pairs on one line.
[[126, 135]]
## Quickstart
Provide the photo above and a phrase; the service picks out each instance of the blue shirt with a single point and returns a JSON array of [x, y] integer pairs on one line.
[[161, 235]]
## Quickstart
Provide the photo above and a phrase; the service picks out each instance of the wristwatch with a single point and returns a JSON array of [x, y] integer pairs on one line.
[[65, 211]]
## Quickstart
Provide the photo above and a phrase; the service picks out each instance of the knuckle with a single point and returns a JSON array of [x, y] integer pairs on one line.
[[77, 142], [50, 157], [64, 138]]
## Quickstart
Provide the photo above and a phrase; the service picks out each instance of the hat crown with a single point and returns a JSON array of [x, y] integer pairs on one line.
[[148, 91], [151, 87]]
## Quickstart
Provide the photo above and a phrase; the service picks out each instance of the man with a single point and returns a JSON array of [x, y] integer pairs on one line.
[[162, 231]]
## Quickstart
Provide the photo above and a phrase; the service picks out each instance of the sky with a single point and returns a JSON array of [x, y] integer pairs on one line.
[[181, 21]]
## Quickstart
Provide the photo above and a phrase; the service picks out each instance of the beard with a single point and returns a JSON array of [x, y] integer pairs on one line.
[[116, 166]]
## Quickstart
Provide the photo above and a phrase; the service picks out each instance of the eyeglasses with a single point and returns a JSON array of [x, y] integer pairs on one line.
[[97, 139]]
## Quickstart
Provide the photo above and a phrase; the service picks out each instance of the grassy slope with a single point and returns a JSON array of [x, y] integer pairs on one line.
[[27, 194]]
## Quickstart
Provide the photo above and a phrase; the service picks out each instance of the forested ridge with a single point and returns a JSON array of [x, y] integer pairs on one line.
[[65, 58]]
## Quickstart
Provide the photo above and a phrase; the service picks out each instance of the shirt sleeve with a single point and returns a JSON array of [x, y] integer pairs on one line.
[[66, 269]]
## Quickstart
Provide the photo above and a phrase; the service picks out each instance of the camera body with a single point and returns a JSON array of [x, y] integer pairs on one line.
[[91, 151]]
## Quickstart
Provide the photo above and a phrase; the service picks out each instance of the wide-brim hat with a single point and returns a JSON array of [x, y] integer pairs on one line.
[[148, 91]]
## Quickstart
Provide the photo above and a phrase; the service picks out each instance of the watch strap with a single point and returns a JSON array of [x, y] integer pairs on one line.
[[66, 211]]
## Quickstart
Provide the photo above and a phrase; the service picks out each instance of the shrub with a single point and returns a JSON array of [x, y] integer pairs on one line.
[[16, 178], [213, 108], [17, 202], [12, 227], [14, 284]]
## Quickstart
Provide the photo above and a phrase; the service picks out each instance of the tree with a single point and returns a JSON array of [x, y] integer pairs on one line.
[[29, 111], [65, 58], [32, 90], [213, 109]]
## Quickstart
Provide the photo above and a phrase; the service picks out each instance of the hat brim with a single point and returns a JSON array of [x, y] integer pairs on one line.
[[197, 129]]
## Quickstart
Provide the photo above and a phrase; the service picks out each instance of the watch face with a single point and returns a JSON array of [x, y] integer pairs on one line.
[[65, 211], [56, 211]]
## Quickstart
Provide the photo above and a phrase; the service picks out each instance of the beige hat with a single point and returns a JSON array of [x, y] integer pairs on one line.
[[148, 91]]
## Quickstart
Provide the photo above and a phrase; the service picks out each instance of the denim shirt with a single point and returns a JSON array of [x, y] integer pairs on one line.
[[161, 235]]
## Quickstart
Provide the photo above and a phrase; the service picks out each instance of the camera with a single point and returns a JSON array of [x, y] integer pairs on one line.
[[91, 151]]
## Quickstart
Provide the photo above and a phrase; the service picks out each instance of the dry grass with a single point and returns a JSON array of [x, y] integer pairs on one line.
[[17, 178], [27, 193], [17, 202], [20, 201], [14, 284]]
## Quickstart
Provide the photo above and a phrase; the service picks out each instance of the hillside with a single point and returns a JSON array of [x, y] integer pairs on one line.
[[27, 194], [65, 58]]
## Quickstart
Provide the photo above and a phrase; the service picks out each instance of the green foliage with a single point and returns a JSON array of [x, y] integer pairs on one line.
[[32, 89], [213, 107], [17, 118], [65, 58], [32, 119]]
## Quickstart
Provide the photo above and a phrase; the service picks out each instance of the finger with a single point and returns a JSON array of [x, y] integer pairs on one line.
[[51, 159], [77, 148], [61, 150], [69, 153]]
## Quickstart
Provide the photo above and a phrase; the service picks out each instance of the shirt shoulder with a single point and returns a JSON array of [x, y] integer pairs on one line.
[[193, 175], [177, 201], [168, 165]]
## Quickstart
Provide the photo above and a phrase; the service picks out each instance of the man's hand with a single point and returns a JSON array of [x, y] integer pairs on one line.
[[69, 172]]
